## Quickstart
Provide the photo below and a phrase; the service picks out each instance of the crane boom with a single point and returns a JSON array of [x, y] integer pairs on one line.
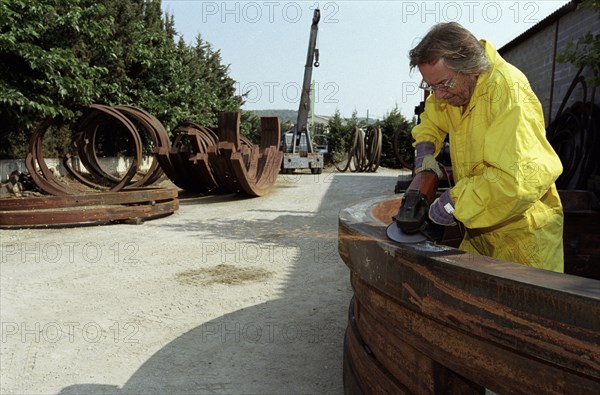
[[299, 152], [304, 108]]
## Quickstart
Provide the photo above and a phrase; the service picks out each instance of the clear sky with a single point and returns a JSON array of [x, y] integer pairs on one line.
[[363, 45]]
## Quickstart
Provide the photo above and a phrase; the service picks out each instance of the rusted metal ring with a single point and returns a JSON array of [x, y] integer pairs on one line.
[[97, 115], [93, 208]]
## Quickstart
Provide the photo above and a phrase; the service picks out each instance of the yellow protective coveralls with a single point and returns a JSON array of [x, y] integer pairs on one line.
[[504, 168]]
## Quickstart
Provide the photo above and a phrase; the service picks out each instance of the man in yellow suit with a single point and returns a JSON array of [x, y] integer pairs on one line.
[[503, 166]]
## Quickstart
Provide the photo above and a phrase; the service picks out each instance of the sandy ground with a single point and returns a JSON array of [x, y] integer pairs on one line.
[[229, 295]]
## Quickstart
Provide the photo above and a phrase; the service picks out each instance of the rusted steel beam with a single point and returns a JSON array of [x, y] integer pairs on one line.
[[500, 325], [363, 374], [219, 158], [92, 215], [88, 199], [384, 371], [229, 128], [93, 208], [271, 132], [202, 140]]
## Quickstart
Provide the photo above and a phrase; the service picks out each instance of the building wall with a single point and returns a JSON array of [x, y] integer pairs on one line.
[[535, 57]]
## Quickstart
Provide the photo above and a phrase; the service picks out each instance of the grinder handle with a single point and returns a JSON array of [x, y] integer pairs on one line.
[[426, 182]]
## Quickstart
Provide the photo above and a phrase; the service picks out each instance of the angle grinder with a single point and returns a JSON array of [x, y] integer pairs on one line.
[[412, 224]]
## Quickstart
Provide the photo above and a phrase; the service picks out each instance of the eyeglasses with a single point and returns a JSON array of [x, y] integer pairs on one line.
[[448, 84]]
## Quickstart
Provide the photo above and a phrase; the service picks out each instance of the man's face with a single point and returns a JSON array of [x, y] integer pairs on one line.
[[438, 74]]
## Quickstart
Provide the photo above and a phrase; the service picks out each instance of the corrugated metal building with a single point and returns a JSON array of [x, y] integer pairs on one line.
[[570, 105], [534, 53]]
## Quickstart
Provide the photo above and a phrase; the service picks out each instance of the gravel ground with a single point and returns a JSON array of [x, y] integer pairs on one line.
[[229, 295]]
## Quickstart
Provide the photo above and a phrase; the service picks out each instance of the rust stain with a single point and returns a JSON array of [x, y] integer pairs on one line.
[[222, 274]]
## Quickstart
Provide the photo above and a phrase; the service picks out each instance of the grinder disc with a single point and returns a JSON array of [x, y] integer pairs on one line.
[[396, 234]]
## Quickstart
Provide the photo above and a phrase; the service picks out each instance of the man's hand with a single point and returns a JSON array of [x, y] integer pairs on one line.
[[441, 210], [424, 159]]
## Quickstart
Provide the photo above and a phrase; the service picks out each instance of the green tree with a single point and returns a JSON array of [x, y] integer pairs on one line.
[[41, 72], [586, 51], [392, 123], [59, 56], [338, 138], [250, 126]]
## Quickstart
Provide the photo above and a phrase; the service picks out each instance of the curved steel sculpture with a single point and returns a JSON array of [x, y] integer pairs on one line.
[[198, 160], [96, 196], [432, 319], [223, 161], [114, 120], [364, 154]]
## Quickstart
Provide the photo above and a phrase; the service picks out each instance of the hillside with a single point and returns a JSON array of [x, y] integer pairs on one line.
[[284, 115], [292, 115]]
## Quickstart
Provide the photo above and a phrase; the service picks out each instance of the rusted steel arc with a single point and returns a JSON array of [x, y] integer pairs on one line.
[[269, 166], [263, 179], [39, 157], [224, 162], [112, 114], [375, 141], [93, 214], [242, 167], [207, 180], [130, 196], [190, 170], [359, 154], [228, 132], [269, 127], [401, 338], [370, 150], [220, 161], [365, 152], [85, 141], [78, 176], [199, 141], [47, 182], [265, 163], [130, 128], [91, 154], [155, 128], [159, 138], [362, 372], [87, 127], [162, 141], [44, 185], [229, 128], [396, 148], [351, 151], [246, 141], [206, 135], [551, 319]]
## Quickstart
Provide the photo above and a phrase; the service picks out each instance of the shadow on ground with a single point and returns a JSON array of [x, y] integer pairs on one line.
[[290, 345]]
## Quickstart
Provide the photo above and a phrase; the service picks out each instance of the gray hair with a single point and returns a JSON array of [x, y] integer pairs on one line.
[[459, 48]]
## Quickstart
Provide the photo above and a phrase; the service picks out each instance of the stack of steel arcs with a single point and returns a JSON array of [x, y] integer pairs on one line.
[[198, 160], [223, 161]]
